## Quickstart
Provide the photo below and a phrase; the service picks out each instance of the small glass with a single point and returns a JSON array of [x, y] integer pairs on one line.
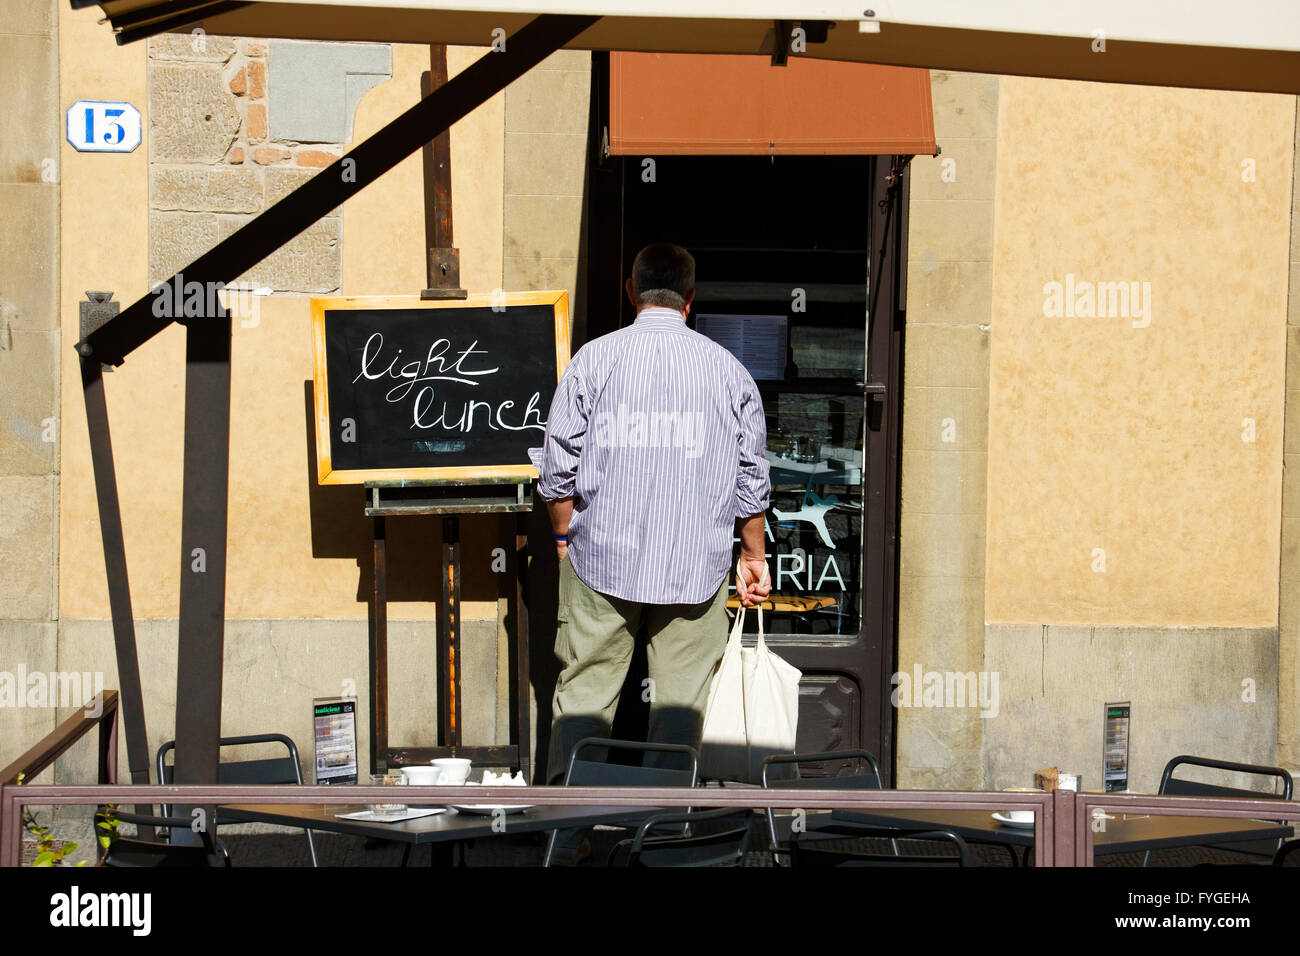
[[385, 809]]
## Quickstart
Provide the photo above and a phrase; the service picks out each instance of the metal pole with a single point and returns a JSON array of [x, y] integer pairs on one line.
[[203, 555]]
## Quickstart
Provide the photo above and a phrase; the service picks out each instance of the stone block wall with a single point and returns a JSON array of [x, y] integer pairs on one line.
[[223, 151]]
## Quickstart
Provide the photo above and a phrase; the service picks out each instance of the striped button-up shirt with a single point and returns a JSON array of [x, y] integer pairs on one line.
[[658, 435]]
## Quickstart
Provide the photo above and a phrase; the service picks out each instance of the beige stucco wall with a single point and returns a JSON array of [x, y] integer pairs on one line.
[[1098, 434], [1135, 469]]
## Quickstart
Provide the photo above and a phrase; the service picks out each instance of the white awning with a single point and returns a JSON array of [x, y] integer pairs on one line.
[[1247, 45]]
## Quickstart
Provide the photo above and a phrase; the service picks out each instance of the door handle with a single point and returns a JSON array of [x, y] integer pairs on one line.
[[875, 402]]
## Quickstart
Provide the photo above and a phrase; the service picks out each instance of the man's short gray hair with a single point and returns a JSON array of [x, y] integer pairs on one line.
[[666, 298]]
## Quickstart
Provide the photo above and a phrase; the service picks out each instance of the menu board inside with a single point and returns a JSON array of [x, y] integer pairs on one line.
[[334, 725]]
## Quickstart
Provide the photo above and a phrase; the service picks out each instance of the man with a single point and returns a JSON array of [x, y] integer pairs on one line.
[[653, 461]]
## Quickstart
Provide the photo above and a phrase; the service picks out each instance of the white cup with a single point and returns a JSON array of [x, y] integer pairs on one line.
[[1020, 816], [422, 776], [455, 770]]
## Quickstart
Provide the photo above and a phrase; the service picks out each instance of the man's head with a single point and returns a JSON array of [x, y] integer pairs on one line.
[[662, 275]]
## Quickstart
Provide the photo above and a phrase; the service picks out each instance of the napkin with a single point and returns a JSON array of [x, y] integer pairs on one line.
[[491, 779]]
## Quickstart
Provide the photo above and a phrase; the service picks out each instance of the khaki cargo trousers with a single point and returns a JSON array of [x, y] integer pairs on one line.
[[594, 641]]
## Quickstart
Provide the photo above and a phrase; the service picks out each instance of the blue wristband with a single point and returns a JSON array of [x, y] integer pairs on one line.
[[560, 537]]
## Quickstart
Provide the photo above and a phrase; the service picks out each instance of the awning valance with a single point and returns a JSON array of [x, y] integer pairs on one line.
[[693, 105]]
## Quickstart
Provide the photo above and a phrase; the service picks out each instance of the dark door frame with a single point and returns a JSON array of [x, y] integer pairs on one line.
[[875, 648]]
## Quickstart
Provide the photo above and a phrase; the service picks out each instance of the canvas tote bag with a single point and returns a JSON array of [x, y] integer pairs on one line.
[[752, 709]]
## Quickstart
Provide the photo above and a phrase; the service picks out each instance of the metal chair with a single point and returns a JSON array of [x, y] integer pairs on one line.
[[803, 854], [870, 780], [725, 847], [1175, 787], [867, 780], [271, 770], [1285, 851], [585, 772], [134, 852]]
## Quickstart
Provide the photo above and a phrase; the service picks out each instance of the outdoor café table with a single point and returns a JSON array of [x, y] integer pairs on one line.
[[438, 830], [1124, 833]]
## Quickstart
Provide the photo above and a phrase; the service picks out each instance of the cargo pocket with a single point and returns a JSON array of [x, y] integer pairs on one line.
[[563, 646]]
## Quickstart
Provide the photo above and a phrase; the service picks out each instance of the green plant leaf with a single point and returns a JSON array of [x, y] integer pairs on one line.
[[44, 859]]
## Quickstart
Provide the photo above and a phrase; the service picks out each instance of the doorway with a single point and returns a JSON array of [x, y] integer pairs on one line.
[[787, 249]]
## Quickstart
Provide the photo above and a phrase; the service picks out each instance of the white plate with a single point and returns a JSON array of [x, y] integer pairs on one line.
[[1008, 821], [487, 809]]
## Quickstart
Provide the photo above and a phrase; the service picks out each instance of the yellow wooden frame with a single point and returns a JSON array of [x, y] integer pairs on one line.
[[325, 472]]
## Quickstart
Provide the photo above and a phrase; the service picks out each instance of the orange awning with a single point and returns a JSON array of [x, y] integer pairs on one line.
[[689, 104]]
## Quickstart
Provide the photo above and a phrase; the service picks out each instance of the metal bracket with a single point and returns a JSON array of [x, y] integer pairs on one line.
[[99, 309], [444, 273]]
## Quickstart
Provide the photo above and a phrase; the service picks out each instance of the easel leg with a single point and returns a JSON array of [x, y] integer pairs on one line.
[[523, 722], [379, 654], [449, 659]]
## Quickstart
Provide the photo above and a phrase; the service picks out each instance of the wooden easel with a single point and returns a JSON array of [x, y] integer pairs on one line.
[[511, 499]]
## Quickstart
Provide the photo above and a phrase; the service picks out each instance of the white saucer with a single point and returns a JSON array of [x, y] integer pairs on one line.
[[1002, 818]]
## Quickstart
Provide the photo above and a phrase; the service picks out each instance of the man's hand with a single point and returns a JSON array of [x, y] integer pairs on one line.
[[560, 511], [752, 582]]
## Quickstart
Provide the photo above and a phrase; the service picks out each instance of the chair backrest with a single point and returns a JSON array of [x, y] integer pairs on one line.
[[860, 781], [271, 770], [1175, 787], [597, 773], [701, 845]]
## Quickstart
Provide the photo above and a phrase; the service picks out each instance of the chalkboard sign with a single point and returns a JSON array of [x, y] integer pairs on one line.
[[408, 389]]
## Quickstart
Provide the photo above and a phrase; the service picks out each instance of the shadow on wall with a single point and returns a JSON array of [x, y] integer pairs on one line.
[[340, 529]]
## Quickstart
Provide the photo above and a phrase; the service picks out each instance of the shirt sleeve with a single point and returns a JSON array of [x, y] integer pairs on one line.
[[566, 428], [753, 483]]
